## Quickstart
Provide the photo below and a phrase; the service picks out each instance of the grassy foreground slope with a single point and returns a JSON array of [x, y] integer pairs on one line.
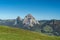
[[8, 33]]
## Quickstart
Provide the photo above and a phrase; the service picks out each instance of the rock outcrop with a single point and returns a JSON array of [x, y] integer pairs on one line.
[[18, 20]]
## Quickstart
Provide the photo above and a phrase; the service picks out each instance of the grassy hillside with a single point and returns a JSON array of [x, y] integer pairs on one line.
[[8, 33]]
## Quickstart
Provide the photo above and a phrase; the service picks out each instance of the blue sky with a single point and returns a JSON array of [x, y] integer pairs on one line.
[[40, 9]]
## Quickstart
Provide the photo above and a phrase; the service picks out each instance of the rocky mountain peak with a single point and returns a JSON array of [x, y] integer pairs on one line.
[[29, 16], [17, 21], [18, 18], [29, 20]]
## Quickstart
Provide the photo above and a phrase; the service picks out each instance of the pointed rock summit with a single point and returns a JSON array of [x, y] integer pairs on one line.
[[29, 20], [29, 16], [17, 21]]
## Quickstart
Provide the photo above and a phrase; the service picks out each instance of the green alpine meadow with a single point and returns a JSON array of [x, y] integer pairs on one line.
[[9, 33]]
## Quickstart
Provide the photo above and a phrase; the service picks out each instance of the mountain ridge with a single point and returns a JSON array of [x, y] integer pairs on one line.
[[50, 27]]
